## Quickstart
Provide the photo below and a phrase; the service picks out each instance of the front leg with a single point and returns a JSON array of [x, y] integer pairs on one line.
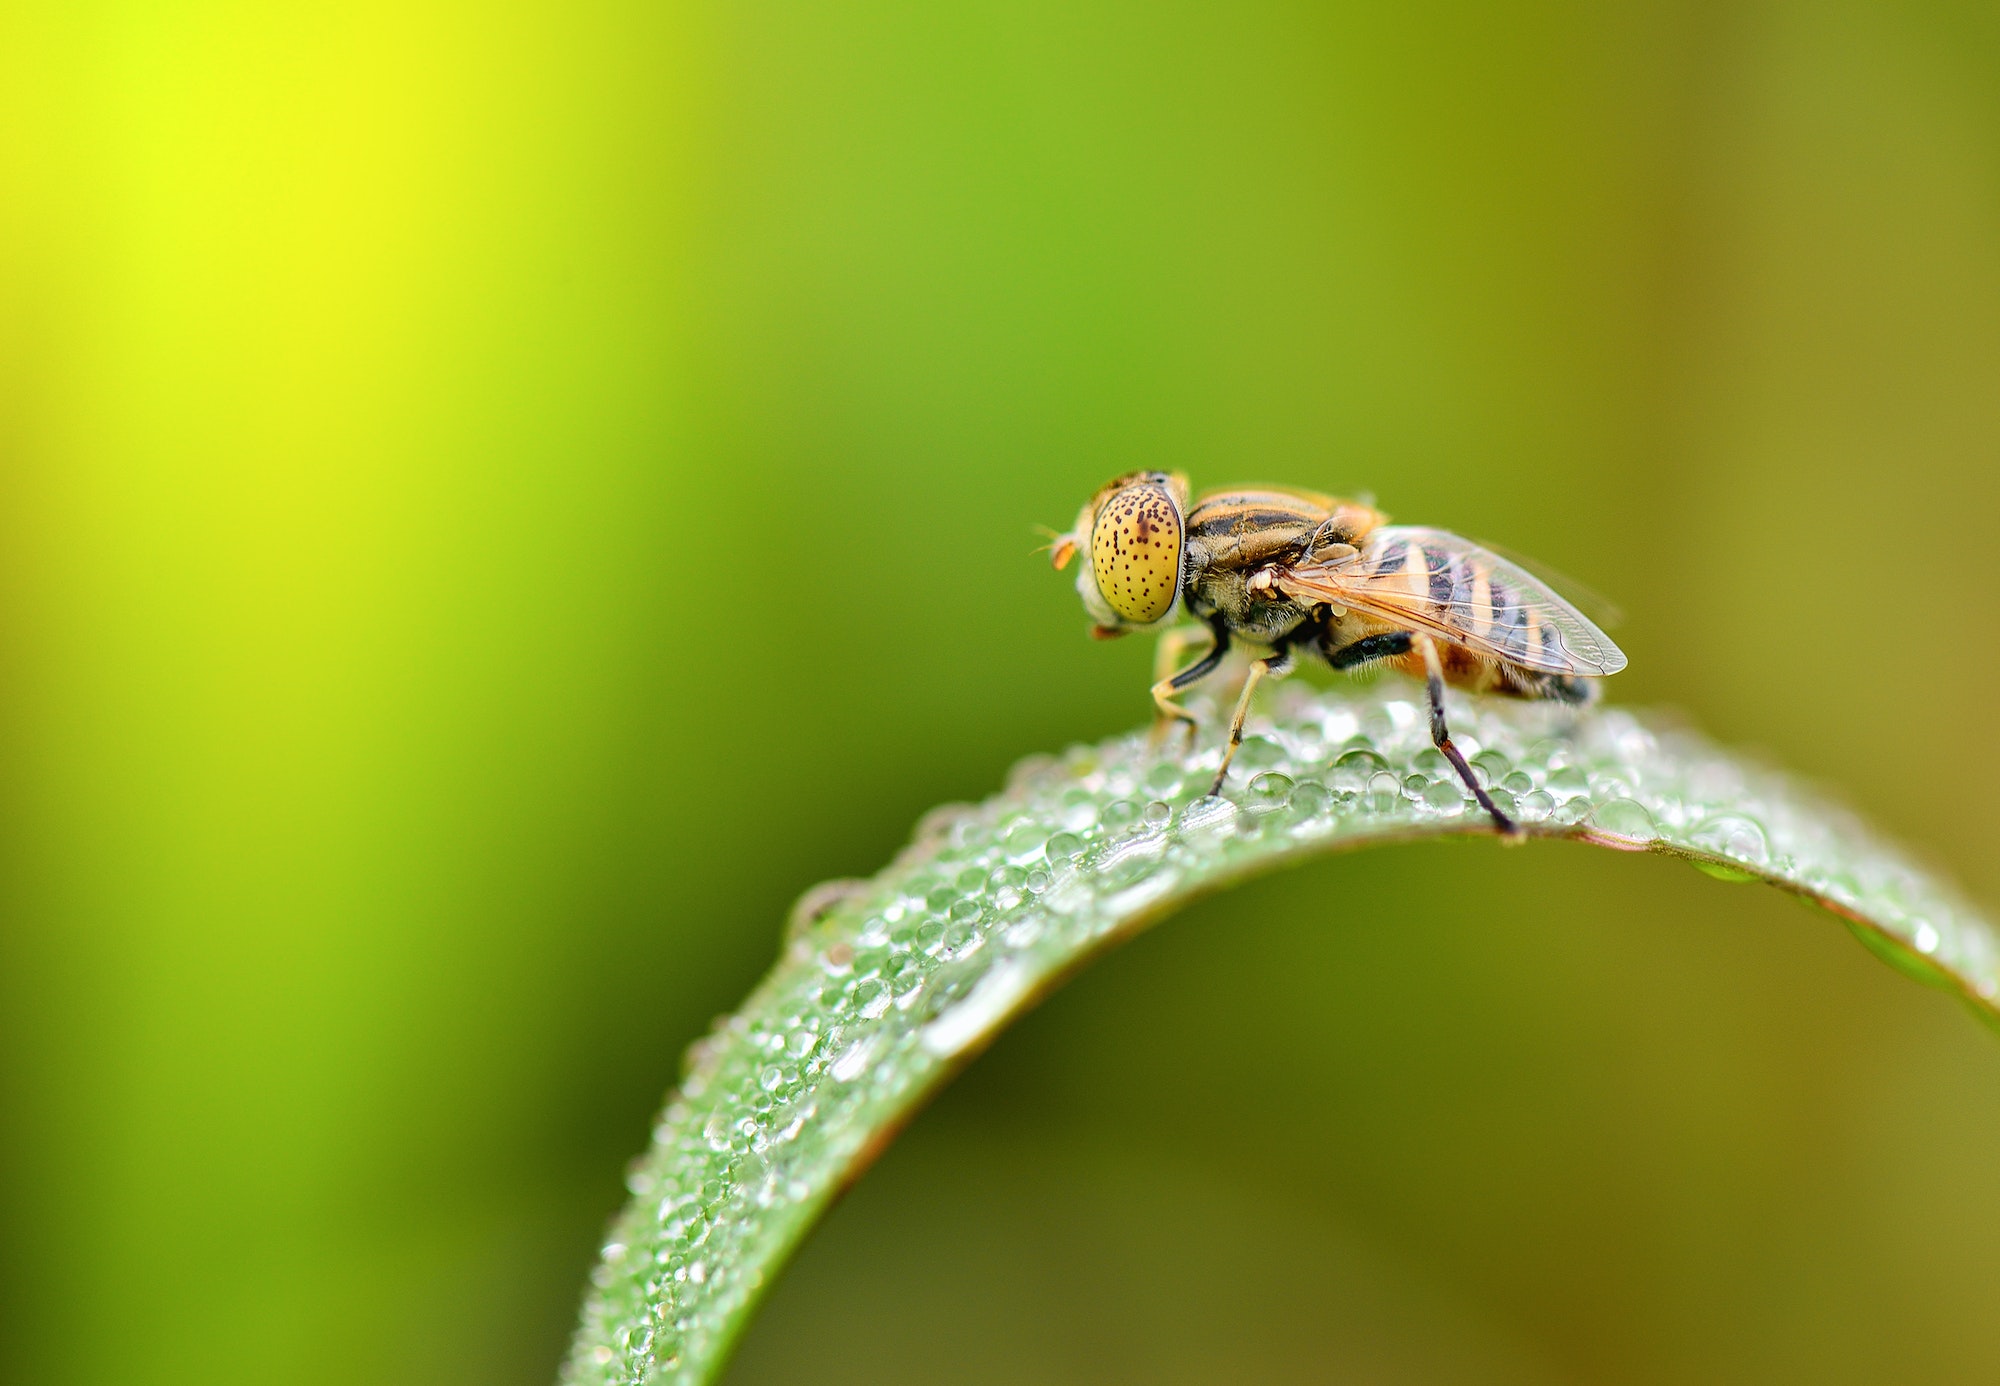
[[1441, 736], [1165, 688], [1166, 654]]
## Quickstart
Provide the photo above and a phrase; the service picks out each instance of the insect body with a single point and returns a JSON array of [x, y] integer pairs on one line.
[[1301, 574]]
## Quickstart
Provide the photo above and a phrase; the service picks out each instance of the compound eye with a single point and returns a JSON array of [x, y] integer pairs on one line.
[[1135, 552]]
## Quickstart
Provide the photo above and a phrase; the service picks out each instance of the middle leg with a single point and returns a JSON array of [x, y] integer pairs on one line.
[[1276, 664]]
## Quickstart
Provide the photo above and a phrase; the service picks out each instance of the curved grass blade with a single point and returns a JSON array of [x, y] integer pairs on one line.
[[886, 987]]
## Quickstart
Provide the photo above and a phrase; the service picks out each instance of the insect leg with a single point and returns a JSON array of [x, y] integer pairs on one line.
[[1166, 655], [1441, 735], [1165, 688], [1368, 649], [1277, 664]]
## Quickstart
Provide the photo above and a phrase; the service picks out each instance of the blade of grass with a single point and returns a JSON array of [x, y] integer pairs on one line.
[[886, 988]]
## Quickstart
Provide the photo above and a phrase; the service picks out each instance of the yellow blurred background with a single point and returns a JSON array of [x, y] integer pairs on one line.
[[496, 499]]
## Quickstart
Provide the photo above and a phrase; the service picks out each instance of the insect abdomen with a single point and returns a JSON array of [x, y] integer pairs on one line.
[[1462, 590]]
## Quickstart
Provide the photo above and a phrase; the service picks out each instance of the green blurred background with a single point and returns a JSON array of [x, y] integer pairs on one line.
[[500, 497]]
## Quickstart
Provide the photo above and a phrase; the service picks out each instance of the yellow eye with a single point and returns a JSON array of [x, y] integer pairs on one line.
[[1135, 552]]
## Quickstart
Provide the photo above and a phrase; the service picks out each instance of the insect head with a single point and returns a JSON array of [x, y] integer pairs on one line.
[[1132, 540]]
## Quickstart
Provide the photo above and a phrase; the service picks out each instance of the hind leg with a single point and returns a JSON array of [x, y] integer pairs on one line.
[[1368, 649], [1441, 735]]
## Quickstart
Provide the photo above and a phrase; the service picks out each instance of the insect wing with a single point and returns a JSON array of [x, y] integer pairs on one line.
[[1597, 608], [1430, 581]]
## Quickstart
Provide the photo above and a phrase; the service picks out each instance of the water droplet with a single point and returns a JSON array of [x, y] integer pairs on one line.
[[942, 822], [972, 880], [1568, 781], [1079, 816], [1023, 841], [1259, 753], [820, 901], [1443, 796], [1158, 814], [1732, 835], [875, 931], [1310, 799], [1384, 793], [1354, 769], [1625, 818], [1081, 761], [872, 999], [1208, 815], [1130, 860], [1120, 814], [1400, 714], [1926, 939], [979, 1011], [1163, 780], [965, 912], [1063, 847], [716, 1132], [1518, 784], [1536, 806], [1269, 791]]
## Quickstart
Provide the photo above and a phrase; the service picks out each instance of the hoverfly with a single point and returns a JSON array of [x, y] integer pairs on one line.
[[1297, 573]]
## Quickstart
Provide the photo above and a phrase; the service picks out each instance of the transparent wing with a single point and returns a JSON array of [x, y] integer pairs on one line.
[[1437, 583], [1597, 608]]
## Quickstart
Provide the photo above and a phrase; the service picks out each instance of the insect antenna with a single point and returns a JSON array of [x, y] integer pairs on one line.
[[1062, 545]]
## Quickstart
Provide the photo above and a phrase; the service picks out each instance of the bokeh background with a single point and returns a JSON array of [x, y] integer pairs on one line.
[[497, 498]]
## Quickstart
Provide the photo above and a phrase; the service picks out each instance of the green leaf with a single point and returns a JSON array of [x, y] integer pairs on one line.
[[886, 988]]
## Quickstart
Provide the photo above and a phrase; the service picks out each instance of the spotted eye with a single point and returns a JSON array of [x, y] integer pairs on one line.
[[1135, 552]]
